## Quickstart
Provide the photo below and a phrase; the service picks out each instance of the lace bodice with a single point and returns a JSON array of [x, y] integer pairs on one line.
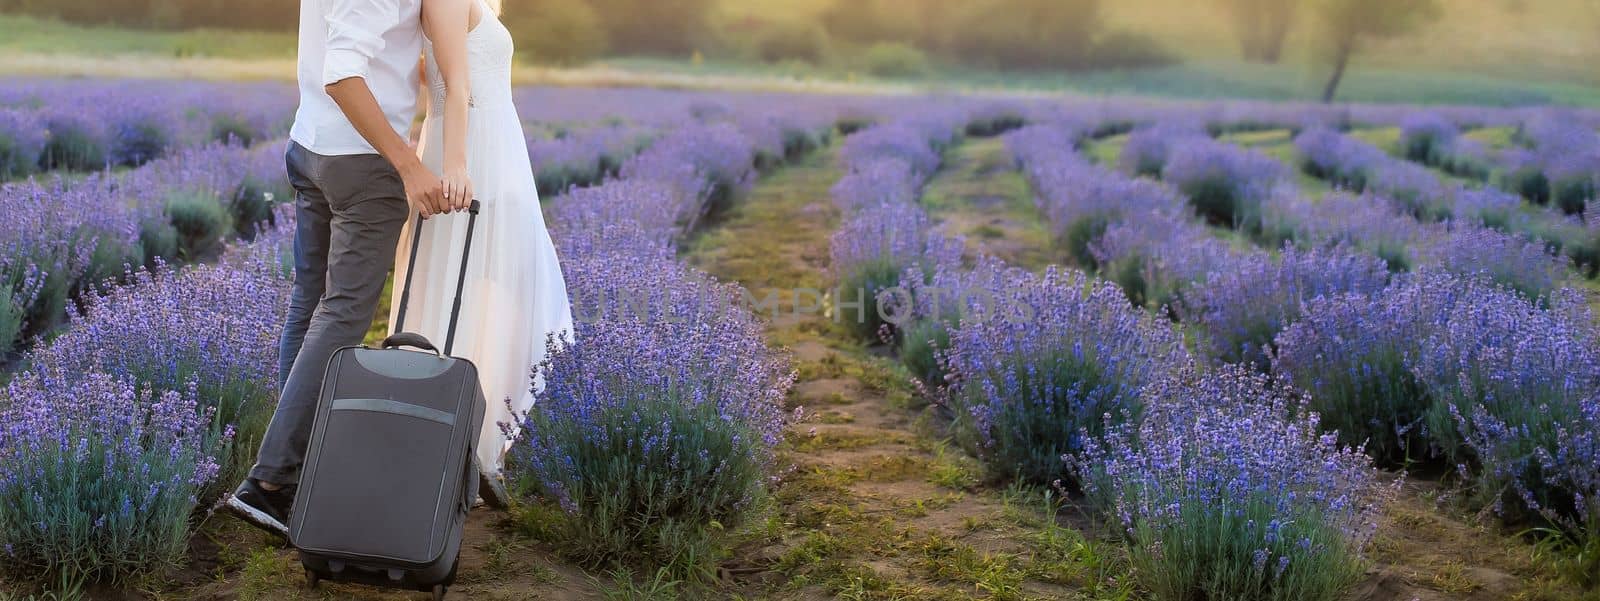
[[489, 51]]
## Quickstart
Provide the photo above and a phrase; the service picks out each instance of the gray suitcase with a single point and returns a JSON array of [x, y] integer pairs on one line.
[[390, 471]]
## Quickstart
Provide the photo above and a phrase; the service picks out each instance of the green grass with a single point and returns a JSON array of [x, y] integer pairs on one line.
[[1105, 151], [19, 34]]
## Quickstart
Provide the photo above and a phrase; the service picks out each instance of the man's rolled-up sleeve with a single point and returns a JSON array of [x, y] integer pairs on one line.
[[355, 36]]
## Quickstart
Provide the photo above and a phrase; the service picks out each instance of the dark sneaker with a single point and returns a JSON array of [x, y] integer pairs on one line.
[[492, 489], [267, 510]]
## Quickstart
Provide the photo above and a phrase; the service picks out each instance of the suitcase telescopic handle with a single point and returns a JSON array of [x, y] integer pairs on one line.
[[400, 338]]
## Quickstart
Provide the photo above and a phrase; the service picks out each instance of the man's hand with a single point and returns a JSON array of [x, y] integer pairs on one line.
[[424, 190]]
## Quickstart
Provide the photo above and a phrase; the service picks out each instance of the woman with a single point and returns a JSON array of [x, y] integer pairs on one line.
[[514, 297]]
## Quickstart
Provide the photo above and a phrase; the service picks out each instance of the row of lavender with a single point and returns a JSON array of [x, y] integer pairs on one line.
[[655, 430], [118, 429], [1554, 159], [1222, 479], [70, 235], [64, 237], [86, 126], [1360, 167]]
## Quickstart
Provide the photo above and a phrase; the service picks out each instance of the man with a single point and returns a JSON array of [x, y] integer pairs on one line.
[[356, 180]]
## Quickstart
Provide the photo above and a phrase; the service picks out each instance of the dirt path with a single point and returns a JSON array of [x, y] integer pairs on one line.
[[981, 195], [875, 505]]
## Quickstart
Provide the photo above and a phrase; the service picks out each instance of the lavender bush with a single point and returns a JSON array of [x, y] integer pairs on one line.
[[1147, 148], [1226, 184], [1424, 136], [58, 240], [1227, 489], [662, 418], [77, 140], [1523, 265], [1156, 257], [1368, 223], [1240, 309], [177, 330], [22, 140], [720, 156], [871, 252], [1343, 161], [940, 302], [1499, 352], [1081, 200], [1434, 140], [1353, 354], [655, 423], [1038, 381], [1413, 188], [1487, 206], [99, 477]]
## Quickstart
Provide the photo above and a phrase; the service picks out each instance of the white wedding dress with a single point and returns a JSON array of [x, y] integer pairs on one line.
[[515, 297]]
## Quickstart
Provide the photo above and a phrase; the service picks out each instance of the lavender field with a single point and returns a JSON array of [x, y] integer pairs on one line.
[[864, 347]]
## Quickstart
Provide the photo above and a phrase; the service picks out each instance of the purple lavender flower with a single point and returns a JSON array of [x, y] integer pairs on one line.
[[1344, 161], [1498, 351], [1228, 476], [1146, 150], [1371, 224], [1225, 183], [86, 455], [1353, 353], [1081, 200], [1424, 136], [1042, 378], [22, 140], [1240, 309], [1523, 265], [1487, 206], [874, 249], [1157, 256]]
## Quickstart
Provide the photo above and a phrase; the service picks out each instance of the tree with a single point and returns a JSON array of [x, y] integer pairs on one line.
[[665, 27], [555, 31], [1262, 26], [1350, 23]]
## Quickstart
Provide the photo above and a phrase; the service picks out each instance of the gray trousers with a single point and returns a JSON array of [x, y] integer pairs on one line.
[[349, 212]]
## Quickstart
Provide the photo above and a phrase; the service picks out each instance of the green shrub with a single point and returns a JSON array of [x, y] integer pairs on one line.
[[231, 129], [869, 21], [894, 59], [73, 148], [1132, 50], [803, 41], [201, 222], [1027, 34], [672, 27], [556, 31], [158, 240], [1528, 182], [869, 279], [920, 345]]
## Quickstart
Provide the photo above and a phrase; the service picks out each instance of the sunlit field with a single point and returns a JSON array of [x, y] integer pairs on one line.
[[950, 330]]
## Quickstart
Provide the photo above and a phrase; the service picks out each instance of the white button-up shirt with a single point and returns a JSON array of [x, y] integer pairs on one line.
[[378, 40]]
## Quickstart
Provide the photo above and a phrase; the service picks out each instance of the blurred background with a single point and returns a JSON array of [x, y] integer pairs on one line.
[[1499, 52]]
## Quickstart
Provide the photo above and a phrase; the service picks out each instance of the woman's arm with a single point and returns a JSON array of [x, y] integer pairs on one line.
[[447, 22], [414, 135]]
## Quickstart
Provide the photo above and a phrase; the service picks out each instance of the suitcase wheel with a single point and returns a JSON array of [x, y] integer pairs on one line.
[[312, 578], [439, 591]]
